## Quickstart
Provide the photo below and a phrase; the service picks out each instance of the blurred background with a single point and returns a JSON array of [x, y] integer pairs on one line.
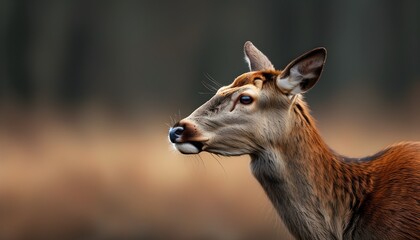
[[88, 90]]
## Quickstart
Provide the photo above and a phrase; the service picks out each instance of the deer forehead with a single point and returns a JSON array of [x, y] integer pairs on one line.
[[253, 80]]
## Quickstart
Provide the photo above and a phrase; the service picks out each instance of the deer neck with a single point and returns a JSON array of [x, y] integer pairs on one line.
[[313, 189]]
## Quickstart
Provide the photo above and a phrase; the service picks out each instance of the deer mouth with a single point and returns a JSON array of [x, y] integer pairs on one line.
[[186, 140], [189, 147]]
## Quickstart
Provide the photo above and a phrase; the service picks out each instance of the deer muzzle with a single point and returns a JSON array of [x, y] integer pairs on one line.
[[185, 138]]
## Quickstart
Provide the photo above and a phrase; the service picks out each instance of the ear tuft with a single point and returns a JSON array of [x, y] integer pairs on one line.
[[256, 60], [302, 73]]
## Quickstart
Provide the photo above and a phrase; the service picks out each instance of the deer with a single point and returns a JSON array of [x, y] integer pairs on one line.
[[318, 193]]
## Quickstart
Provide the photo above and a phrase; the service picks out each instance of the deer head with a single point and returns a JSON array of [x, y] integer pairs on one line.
[[253, 112], [319, 194]]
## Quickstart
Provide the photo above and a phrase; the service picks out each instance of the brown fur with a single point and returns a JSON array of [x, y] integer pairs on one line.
[[376, 197], [318, 193]]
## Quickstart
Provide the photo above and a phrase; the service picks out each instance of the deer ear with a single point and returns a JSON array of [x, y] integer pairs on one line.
[[302, 73], [257, 61]]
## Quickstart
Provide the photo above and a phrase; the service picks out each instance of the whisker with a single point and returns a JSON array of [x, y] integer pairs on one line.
[[174, 119], [220, 164], [209, 87], [202, 161], [212, 85], [179, 114], [211, 79]]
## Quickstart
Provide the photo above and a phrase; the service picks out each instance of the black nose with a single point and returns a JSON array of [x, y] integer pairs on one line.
[[175, 133]]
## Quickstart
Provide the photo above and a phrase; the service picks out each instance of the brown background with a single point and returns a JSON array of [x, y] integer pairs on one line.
[[89, 88]]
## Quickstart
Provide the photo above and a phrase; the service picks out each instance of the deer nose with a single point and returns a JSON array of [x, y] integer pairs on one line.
[[175, 133]]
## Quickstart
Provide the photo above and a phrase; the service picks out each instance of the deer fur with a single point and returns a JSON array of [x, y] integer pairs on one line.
[[318, 193]]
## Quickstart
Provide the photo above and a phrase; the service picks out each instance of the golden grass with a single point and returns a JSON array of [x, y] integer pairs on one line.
[[87, 178]]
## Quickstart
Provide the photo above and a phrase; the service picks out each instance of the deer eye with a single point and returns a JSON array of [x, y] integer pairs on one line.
[[245, 99]]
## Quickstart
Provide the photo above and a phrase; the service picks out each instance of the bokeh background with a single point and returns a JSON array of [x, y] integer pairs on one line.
[[88, 90]]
